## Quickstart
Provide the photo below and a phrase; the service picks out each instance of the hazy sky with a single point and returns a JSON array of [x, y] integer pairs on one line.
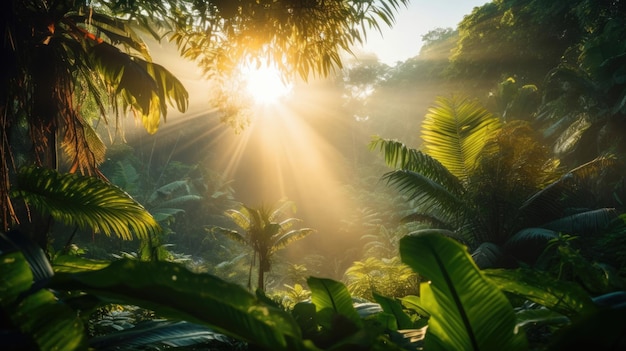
[[404, 40]]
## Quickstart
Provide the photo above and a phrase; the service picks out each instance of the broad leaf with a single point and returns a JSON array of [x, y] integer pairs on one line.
[[154, 334], [394, 308], [565, 297], [180, 294], [38, 314], [464, 305], [332, 296]]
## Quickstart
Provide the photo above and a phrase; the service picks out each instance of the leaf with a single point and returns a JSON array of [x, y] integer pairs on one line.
[[159, 333], [37, 314], [456, 131], [289, 237], [567, 298], [394, 307], [179, 294], [327, 294], [83, 201], [463, 304], [74, 264]]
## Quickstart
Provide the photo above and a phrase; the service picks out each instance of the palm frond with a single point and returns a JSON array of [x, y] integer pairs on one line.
[[143, 86], [240, 218], [229, 233], [290, 237], [84, 202], [398, 155], [284, 208], [576, 186], [595, 167], [428, 218], [83, 146], [587, 222], [530, 235], [488, 255], [116, 30], [424, 190], [289, 222], [455, 132]]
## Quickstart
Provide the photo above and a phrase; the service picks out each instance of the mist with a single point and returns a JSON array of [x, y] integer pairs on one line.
[[311, 148]]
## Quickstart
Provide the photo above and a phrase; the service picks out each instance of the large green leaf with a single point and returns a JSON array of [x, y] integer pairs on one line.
[[37, 314], [154, 334], [456, 131], [83, 201], [467, 311], [174, 292], [565, 297], [332, 298], [395, 308]]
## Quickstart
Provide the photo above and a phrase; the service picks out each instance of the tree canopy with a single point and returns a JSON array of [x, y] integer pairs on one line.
[[72, 64]]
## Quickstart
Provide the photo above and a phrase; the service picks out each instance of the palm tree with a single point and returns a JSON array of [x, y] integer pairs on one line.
[[265, 232], [490, 184], [62, 58], [473, 174], [457, 135]]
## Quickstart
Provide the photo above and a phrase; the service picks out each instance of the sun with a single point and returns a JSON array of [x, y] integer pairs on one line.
[[265, 84]]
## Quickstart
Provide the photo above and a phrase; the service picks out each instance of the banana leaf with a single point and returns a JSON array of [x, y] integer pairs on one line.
[[173, 292], [36, 316], [467, 311]]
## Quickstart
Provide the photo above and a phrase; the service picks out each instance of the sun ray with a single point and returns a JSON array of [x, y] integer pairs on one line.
[[265, 84]]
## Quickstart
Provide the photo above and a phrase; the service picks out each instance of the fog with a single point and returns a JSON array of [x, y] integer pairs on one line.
[[309, 147]]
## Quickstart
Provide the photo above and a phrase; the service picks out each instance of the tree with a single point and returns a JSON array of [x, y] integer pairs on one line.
[[265, 232], [60, 58], [520, 38], [495, 187], [63, 56]]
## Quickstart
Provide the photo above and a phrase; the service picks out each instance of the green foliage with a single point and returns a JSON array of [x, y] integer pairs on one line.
[[459, 305], [280, 32], [454, 133], [459, 298], [34, 315], [265, 231], [514, 38], [469, 166], [387, 276], [199, 298], [564, 297], [84, 202]]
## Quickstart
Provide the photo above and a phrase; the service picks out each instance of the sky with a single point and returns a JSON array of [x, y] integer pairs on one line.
[[404, 39]]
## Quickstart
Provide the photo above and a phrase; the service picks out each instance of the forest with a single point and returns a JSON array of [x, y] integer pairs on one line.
[[468, 198]]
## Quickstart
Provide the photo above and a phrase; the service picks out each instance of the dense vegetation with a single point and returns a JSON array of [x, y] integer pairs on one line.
[[499, 224]]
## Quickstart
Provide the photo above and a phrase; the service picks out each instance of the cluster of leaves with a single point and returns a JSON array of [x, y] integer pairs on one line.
[[455, 308]]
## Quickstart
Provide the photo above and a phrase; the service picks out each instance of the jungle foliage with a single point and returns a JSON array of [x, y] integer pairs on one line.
[[513, 223]]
